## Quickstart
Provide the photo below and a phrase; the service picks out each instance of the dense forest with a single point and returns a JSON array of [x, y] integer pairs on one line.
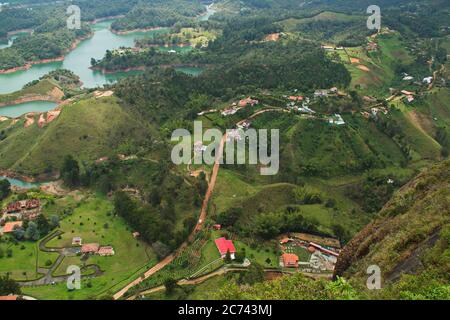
[[159, 13]]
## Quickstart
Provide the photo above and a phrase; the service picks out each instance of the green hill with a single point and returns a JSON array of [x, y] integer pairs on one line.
[[409, 241], [87, 129]]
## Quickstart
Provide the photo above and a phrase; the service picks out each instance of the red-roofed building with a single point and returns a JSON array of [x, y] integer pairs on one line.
[[247, 101], [285, 240], [106, 251], [10, 226], [9, 298], [290, 260], [296, 98], [224, 245], [90, 248]]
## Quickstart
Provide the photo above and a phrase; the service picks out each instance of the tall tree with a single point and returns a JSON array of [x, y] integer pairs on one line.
[[70, 172], [8, 286]]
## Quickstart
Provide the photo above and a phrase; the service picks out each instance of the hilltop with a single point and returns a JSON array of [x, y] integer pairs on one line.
[[88, 129]]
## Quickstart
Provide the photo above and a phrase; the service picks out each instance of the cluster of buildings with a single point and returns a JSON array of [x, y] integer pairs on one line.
[[325, 92], [304, 107], [236, 106], [93, 248], [19, 210], [23, 205], [322, 258]]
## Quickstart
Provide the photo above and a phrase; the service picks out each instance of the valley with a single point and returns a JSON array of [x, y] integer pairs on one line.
[[87, 171]]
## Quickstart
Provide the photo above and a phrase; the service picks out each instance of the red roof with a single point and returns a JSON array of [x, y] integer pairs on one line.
[[8, 297], [290, 260], [108, 250], [10, 226], [224, 245], [90, 248]]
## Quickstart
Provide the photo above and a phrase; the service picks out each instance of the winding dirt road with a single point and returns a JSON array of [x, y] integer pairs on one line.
[[198, 227]]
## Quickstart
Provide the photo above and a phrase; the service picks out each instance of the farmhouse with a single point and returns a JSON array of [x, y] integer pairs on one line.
[[106, 251], [224, 246], [90, 248], [290, 260], [286, 240], [296, 98], [11, 226], [247, 101], [76, 241]]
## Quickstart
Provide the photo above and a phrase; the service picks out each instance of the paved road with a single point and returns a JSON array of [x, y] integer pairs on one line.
[[48, 277], [203, 212]]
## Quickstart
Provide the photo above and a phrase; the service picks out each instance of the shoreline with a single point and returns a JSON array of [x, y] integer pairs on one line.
[[166, 45], [43, 178], [143, 68], [29, 64], [105, 19], [108, 71], [123, 32], [32, 98]]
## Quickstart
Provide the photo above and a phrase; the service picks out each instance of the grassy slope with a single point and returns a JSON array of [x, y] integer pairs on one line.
[[41, 88], [409, 236], [131, 258], [88, 129]]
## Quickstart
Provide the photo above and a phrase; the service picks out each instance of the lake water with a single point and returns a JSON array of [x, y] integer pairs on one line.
[[79, 59], [15, 111], [22, 184]]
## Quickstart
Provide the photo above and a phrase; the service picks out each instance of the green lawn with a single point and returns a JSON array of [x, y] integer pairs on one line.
[[88, 221], [24, 258]]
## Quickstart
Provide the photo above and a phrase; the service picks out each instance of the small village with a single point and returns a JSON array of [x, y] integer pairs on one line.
[[309, 253], [15, 212]]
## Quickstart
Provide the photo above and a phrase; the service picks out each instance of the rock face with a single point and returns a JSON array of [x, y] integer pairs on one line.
[[405, 229]]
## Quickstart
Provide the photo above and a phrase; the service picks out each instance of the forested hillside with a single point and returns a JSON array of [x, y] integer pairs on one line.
[[409, 241]]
